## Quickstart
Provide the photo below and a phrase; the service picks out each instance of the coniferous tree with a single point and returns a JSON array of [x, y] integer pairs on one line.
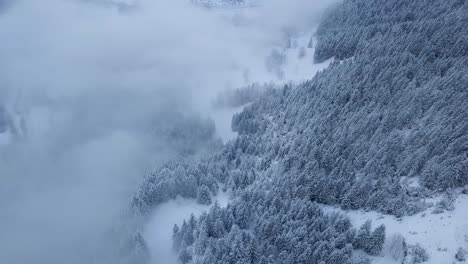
[[376, 241], [362, 239], [204, 195]]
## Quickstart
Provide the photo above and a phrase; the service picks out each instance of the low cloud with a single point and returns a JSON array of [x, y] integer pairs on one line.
[[80, 80]]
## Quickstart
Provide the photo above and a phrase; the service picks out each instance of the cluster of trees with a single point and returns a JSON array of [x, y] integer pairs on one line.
[[390, 107], [187, 178], [370, 242], [349, 28], [262, 227], [187, 172], [183, 140]]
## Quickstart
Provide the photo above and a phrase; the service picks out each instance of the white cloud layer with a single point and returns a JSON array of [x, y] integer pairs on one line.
[[81, 79]]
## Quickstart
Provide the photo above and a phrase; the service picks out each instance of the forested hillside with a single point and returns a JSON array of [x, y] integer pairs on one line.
[[391, 109]]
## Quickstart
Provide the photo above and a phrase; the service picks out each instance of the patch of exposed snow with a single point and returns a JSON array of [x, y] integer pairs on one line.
[[158, 230], [411, 182], [439, 234], [299, 65], [294, 62], [222, 118]]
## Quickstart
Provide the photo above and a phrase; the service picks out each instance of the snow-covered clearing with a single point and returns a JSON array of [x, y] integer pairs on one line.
[[158, 230], [297, 65], [439, 234]]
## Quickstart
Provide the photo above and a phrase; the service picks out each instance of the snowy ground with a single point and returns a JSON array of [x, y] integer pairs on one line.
[[299, 58], [292, 62], [439, 234], [158, 231], [297, 65]]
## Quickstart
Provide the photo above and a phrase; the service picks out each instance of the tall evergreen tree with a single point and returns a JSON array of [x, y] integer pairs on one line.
[[204, 195]]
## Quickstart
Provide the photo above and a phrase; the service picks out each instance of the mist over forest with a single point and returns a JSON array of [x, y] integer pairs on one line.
[[233, 131]]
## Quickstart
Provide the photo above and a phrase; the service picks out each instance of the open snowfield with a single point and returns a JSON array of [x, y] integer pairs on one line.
[[439, 234]]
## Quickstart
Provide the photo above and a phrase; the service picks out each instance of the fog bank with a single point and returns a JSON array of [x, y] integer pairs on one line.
[[81, 83]]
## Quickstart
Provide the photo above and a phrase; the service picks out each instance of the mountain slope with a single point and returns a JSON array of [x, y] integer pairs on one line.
[[374, 119], [383, 128]]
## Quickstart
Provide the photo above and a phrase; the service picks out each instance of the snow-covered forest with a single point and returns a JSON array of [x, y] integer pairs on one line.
[[234, 131]]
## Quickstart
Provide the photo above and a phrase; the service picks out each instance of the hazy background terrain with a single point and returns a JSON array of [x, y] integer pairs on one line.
[[81, 85]]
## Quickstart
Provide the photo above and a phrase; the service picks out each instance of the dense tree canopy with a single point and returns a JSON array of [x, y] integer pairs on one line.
[[391, 107]]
